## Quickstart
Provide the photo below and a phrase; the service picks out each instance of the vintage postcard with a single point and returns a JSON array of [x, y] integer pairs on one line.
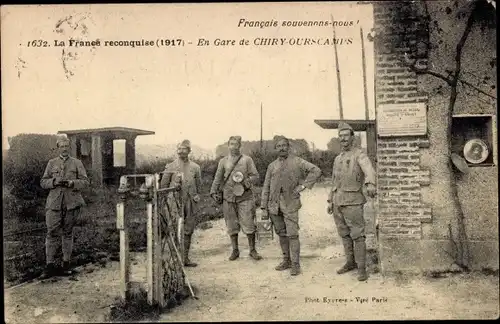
[[286, 161]]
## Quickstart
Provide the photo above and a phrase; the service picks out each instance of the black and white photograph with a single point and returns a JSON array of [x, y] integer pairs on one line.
[[269, 161]]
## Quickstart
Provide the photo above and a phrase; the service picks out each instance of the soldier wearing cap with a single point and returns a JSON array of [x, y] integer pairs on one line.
[[190, 192], [234, 178], [352, 170], [281, 200], [65, 176]]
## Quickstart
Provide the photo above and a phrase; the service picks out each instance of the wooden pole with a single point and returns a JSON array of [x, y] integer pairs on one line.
[[121, 224], [158, 280], [337, 69], [365, 87], [96, 154], [261, 131], [150, 253]]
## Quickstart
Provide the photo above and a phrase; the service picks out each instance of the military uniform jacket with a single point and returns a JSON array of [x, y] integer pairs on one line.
[[191, 178], [282, 177], [352, 169], [245, 165], [68, 169]]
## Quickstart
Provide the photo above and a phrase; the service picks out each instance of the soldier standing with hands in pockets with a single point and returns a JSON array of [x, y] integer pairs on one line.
[[352, 170]]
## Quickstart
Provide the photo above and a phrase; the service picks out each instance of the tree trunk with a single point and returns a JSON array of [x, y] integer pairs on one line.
[[462, 256]]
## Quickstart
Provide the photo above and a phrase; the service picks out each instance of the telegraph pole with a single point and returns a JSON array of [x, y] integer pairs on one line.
[[363, 60], [339, 85], [261, 119]]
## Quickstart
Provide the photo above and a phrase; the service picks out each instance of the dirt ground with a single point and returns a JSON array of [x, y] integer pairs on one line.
[[245, 289]]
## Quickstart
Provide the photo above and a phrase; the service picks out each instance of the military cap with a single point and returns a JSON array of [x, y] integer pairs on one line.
[[278, 138], [184, 144], [62, 138], [345, 126], [235, 138]]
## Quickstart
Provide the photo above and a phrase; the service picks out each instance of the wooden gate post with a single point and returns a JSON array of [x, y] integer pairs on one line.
[[158, 261], [122, 226], [154, 256], [151, 273]]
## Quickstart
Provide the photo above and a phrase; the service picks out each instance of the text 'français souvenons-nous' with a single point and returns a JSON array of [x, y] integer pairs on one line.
[[244, 23]]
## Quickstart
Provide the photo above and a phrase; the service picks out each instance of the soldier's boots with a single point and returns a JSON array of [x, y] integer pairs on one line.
[[251, 244], [285, 249], [254, 255], [66, 269], [295, 269], [235, 254], [285, 264], [349, 255], [362, 275], [360, 255], [187, 246], [49, 271], [347, 267], [189, 263], [295, 255]]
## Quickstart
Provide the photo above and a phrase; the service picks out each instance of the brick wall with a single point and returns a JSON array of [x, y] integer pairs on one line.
[[401, 210], [400, 177]]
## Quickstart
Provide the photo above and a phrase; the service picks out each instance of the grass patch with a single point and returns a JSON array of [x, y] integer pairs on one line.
[[137, 307]]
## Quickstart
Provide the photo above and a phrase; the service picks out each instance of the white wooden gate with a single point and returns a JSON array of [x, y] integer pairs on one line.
[[165, 276]]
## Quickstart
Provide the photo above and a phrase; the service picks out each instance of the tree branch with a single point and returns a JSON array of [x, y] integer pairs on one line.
[[406, 62], [467, 83], [461, 44], [437, 75]]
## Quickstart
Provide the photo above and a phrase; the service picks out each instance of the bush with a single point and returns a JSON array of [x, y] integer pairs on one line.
[[25, 163], [324, 160], [17, 210], [208, 169], [262, 159], [153, 165]]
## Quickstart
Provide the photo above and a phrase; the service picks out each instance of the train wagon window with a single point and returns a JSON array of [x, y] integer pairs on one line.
[[119, 153]]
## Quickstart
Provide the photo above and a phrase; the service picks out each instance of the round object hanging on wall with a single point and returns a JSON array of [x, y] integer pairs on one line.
[[476, 151]]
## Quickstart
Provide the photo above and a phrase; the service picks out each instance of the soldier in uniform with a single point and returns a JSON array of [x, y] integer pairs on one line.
[[352, 170], [238, 202], [65, 176], [281, 200], [190, 192]]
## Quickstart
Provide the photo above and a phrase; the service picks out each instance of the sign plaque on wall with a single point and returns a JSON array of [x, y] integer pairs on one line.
[[405, 119]]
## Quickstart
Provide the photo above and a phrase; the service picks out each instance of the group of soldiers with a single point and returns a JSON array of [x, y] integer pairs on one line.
[[232, 187]]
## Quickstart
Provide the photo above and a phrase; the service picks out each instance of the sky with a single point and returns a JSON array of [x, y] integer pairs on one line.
[[202, 93]]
